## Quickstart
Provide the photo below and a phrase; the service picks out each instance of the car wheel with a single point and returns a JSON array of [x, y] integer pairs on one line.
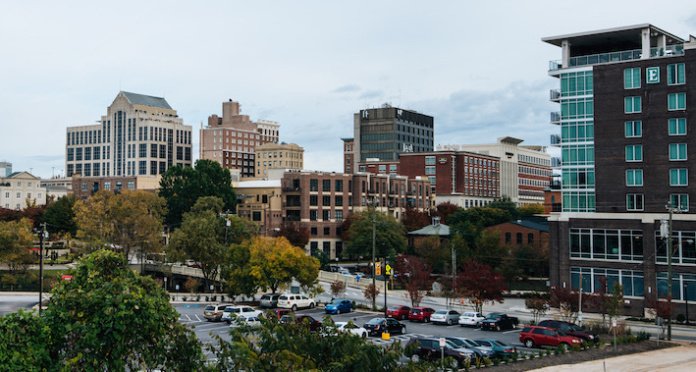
[[529, 344], [403, 330], [364, 335], [415, 358], [294, 307], [449, 321], [311, 305], [497, 328], [565, 347]]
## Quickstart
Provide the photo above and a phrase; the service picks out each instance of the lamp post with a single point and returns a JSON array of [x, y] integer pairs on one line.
[[372, 203], [686, 299]]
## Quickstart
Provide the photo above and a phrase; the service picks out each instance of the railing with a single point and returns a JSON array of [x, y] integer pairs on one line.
[[555, 140], [626, 55], [554, 95], [555, 117]]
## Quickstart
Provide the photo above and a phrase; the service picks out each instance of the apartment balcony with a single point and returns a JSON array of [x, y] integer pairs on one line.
[[555, 140], [555, 117], [626, 55], [555, 95]]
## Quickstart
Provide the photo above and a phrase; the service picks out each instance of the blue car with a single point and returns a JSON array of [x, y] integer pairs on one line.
[[338, 306]]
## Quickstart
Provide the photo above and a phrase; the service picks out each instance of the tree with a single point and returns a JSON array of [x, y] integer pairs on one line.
[[337, 288], [538, 306], [296, 234], [505, 204], [15, 240], [530, 210], [182, 186], [615, 301], [23, 345], [414, 274], [434, 253], [566, 301], [200, 238], [123, 221], [274, 262], [371, 292], [237, 272], [413, 219], [390, 235], [444, 210], [110, 318], [532, 261], [60, 216], [479, 284], [488, 249]]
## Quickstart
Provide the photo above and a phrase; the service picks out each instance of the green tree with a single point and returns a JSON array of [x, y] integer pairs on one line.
[[23, 345], [182, 186], [126, 221], [274, 262], [239, 229], [505, 204], [237, 272], [488, 249], [530, 210], [390, 235], [60, 216], [15, 239], [110, 318]]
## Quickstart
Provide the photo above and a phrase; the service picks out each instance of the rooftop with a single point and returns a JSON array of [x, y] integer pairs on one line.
[[141, 99], [620, 36]]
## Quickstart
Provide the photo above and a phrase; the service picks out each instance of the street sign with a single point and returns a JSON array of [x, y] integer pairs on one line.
[[388, 269], [378, 268], [443, 342], [613, 323]]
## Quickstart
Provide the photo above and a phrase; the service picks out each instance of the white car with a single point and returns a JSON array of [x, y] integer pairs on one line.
[[232, 312], [295, 301], [471, 319], [249, 321], [448, 317], [352, 328]]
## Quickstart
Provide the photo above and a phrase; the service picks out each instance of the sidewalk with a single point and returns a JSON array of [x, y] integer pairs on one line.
[[676, 359]]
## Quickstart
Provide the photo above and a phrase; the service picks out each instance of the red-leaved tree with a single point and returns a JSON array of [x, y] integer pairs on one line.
[[479, 284], [414, 273]]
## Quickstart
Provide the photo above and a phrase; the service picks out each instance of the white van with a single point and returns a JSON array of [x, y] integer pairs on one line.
[[295, 301]]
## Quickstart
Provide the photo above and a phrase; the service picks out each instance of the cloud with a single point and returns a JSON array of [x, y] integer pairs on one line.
[[350, 88], [369, 94]]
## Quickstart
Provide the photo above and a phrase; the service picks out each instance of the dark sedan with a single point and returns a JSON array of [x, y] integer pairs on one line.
[[306, 320], [571, 329], [499, 321], [377, 326]]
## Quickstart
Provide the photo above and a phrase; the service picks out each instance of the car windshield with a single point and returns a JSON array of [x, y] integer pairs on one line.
[[394, 308], [415, 311], [210, 307], [336, 302], [265, 297], [471, 343], [457, 342], [493, 316], [375, 321], [442, 312], [499, 343], [283, 297], [452, 345]]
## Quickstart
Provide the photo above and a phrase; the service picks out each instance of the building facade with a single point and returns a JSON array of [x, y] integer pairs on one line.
[[269, 156], [20, 190], [384, 133], [57, 187], [525, 171], [139, 136], [627, 99], [231, 140], [260, 201], [5, 169], [321, 201], [348, 155]]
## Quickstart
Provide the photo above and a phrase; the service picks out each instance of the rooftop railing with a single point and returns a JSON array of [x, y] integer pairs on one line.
[[627, 55]]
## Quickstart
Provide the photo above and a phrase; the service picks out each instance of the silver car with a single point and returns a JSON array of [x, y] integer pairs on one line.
[[448, 317], [269, 301]]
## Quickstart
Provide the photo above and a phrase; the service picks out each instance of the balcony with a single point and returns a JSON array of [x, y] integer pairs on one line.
[[555, 117], [554, 95], [626, 55], [555, 140]]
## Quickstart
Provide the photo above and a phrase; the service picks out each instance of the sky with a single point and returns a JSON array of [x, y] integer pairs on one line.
[[479, 68]]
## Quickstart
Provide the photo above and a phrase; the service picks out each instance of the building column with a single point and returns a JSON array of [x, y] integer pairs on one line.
[[661, 44], [645, 43], [565, 53]]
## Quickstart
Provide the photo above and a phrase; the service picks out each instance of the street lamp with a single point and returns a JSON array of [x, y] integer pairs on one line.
[[372, 203]]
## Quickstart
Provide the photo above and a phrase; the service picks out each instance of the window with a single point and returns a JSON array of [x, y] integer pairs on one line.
[[594, 279], [142, 150], [634, 177], [679, 200], [313, 215], [530, 238], [632, 78], [338, 185], [678, 177], [632, 104], [326, 200], [313, 185], [313, 200], [633, 128], [338, 201], [327, 231], [519, 238], [107, 185], [430, 170], [634, 202], [634, 152], [326, 215], [508, 237], [676, 101], [675, 74], [676, 126], [429, 160], [338, 214], [313, 231], [677, 151], [326, 185]]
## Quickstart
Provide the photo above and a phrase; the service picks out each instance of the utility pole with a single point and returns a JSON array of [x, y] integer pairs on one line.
[[386, 283], [374, 264], [580, 301]]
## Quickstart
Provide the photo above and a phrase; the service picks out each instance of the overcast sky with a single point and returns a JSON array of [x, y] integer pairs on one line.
[[480, 70]]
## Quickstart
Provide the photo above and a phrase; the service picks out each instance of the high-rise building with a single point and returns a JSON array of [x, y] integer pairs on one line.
[[5, 169], [525, 171], [286, 156], [383, 133], [627, 100], [139, 136], [348, 155], [231, 140]]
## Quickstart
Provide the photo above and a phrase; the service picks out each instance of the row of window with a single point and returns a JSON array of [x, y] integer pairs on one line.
[[675, 101], [599, 280], [19, 195], [577, 131], [675, 76], [675, 127], [635, 202], [519, 238], [578, 201]]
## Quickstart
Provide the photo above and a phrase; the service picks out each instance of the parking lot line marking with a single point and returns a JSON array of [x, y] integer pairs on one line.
[[512, 331], [188, 317], [198, 318]]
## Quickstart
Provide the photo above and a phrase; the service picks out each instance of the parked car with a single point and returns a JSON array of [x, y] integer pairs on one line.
[[448, 317], [313, 324], [420, 314], [295, 301], [269, 300], [245, 321], [535, 336], [498, 349], [398, 312], [279, 313], [471, 318], [352, 328], [499, 321], [231, 312], [338, 306], [213, 313], [429, 349], [570, 329], [471, 345], [376, 326]]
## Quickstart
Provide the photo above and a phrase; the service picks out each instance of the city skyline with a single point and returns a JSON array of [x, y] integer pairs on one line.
[[474, 68]]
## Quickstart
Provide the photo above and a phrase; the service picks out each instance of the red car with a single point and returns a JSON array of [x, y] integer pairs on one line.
[[398, 312], [535, 336], [420, 314]]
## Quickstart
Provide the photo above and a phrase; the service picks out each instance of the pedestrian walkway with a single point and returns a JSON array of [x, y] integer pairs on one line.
[[676, 359]]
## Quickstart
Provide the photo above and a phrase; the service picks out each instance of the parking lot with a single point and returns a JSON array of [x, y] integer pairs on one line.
[[192, 315]]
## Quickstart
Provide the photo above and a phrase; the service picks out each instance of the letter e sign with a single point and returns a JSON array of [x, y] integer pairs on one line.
[[652, 75]]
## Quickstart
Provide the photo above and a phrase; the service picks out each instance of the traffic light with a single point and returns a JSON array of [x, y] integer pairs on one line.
[[378, 268]]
